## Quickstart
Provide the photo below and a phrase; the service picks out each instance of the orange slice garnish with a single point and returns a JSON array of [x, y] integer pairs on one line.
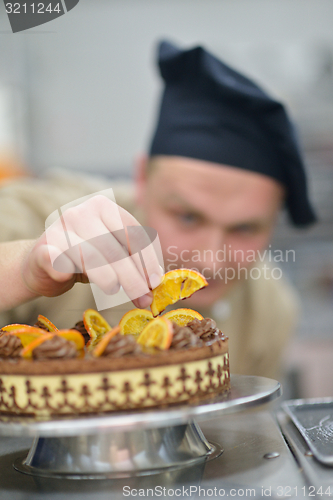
[[134, 321], [70, 335], [95, 324], [28, 350], [193, 282], [182, 316], [47, 323], [28, 335], [15, 326], [101, 346], [158, 333], [176, 285], [73, 336]]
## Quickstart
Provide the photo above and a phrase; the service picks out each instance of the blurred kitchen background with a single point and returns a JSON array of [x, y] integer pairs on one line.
[[80, 93]]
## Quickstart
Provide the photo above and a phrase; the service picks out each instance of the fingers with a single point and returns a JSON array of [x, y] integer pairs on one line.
[[103, 258], [91, 239], [46, 254], [105, 278], [142, 242], [138, 240], [43, 259], [39, 275], [89, 260], [144, 301]]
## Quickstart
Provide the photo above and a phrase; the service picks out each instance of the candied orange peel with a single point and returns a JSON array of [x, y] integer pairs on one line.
[[176, 285], [95, 324], [27, 335], [101, 346], [158, 333], [182, 316], [134, 321], [70, 335], [15, 326], [47, 323], [28, 349], [73, 336]]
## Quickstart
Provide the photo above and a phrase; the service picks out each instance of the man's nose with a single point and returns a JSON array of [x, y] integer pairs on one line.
[[212, 244]]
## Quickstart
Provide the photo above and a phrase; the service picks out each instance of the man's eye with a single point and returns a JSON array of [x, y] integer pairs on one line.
[[188, 218], [245, 229]]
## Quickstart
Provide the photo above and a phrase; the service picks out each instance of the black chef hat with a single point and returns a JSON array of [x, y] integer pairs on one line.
[[213, 113]]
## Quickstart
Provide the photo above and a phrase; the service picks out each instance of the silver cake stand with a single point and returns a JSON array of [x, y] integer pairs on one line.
[[130, 443]]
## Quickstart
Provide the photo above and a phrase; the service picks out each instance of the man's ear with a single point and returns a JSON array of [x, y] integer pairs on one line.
[[140, 178]]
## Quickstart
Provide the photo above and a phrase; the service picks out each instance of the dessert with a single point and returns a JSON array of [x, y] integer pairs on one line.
[[166, 362]]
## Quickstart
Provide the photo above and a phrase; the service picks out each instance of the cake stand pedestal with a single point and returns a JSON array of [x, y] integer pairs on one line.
[[130, 443]]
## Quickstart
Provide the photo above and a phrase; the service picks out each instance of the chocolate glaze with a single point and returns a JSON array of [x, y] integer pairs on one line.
[[55, 348], [122, 345], [10, 346]]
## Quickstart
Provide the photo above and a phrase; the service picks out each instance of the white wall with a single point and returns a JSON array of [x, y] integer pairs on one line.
[[89, 84]]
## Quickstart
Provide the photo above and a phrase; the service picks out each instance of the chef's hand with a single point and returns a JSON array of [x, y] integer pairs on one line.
[[88, 243]]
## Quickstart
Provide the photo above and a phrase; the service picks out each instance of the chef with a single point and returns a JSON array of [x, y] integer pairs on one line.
[[222, 163]]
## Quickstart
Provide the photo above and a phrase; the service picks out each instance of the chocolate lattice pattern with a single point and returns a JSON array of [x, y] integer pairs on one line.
[[114, 391]]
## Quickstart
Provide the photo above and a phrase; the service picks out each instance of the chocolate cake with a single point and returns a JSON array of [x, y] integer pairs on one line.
[[59, 380]]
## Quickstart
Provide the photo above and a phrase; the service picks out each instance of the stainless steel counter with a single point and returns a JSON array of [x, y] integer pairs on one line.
[[245, 468]]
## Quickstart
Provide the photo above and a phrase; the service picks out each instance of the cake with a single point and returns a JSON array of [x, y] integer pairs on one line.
[[60, 380]]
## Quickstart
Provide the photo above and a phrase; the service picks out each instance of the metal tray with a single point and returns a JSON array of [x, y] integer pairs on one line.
[[314, 420]]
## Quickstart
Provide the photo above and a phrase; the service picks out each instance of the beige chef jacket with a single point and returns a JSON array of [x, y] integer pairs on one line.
[[258, 315]]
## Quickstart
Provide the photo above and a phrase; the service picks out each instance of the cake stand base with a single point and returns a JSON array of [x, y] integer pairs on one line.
[[114, 454]]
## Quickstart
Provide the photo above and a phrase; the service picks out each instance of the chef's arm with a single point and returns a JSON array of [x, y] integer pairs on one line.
[[13, 290], [49, 267]]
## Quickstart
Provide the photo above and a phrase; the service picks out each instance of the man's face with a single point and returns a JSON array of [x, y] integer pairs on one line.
[[208, 217]]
